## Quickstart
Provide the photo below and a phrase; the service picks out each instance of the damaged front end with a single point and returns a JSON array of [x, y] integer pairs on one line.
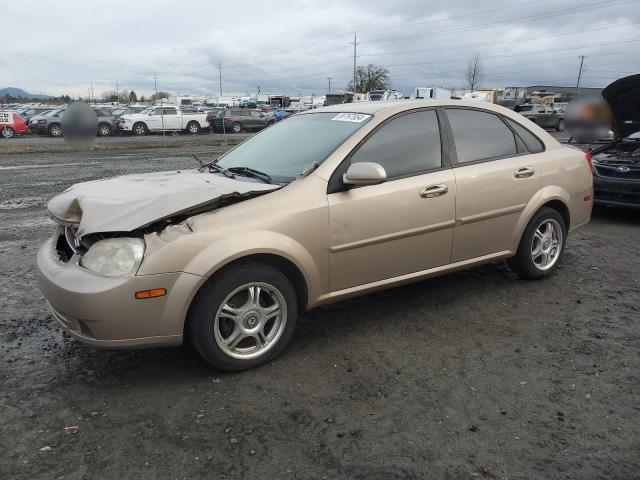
[[136, 209]]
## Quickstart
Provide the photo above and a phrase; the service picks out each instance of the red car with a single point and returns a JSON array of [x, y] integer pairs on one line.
[[11, 123]]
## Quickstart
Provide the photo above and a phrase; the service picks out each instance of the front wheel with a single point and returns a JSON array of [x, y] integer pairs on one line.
[[236, 127], [55, 130], [560, 126], [140, 129], [243, 317], [7, 132], [541, 245]]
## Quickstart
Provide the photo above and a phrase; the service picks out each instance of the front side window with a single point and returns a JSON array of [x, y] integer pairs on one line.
[[480, 135], [287, 149], [407, 145]]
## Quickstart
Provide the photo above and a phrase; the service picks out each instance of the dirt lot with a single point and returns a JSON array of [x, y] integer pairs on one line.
[[472, 375]]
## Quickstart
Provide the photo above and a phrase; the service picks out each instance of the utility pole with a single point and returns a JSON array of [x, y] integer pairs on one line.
[[582, 57], [329, 78], [117, 92], [220, 76], [355, 43], [155, 84]]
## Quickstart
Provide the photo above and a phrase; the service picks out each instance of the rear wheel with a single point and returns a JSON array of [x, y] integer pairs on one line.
[[243, 317], [541, 245], [140, 129], [193, 128], [7, 132], [236, 127], [560, 126], [55, 130], [104, 130]]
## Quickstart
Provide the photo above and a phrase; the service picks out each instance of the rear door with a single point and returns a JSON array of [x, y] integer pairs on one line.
[[172, 120], [496, 177], [403, 225]]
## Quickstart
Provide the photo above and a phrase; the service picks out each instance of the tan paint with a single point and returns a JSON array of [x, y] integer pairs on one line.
[[344, 244]]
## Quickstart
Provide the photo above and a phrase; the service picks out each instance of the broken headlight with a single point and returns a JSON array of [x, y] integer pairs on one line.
[[114, 257]]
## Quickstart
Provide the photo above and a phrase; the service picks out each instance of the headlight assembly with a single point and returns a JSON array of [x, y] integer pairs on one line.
[[114, 257]]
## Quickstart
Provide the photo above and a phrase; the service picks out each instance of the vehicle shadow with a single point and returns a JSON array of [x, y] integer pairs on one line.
[[618, 215]]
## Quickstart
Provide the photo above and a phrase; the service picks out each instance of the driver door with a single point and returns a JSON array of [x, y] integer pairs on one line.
[[404, 225]]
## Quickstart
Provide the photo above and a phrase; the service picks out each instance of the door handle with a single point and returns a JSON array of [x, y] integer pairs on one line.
[[433, 191], [524, 172]]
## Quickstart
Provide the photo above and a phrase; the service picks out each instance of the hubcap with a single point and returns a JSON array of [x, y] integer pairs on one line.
[[7, 133], [546, 244], [250, 321]]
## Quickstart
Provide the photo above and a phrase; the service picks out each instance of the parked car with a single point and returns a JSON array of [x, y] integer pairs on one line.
[[49, 123], [616, 165], [542, 115], [238, 119], [332, 203], [12, 124], [29, 112], [163, 118]]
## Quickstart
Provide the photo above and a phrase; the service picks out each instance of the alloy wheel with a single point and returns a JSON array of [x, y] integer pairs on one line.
[[7, 132], [547, 244], [250, 320]]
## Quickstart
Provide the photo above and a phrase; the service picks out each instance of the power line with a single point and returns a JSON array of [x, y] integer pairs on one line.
[[556, 13]]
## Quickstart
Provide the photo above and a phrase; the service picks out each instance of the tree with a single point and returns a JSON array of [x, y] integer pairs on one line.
[[370, 77], [475, 71], [142, 98], [133, 97], [159, 96], [110, 96]]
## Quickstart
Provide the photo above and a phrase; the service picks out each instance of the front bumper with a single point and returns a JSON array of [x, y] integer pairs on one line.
[[103, 311], [616, 192]]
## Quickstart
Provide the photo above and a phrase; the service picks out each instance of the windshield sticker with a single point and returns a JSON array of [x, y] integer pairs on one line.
[[351, 117]]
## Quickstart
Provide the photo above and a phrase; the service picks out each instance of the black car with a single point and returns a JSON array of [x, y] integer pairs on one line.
[[616, 165], [542, 115]]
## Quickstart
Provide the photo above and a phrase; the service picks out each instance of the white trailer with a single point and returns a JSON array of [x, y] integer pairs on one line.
[[432, 93]]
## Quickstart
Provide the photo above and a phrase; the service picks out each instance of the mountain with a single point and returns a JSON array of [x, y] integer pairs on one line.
[[19, 93]]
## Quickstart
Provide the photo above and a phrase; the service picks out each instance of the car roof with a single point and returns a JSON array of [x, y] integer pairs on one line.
[[394, 106]]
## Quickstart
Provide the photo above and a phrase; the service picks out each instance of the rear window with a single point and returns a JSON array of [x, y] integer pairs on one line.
[[480, 135]]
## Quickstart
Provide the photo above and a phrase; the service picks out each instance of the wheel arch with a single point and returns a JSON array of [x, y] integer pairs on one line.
[[552, 197]]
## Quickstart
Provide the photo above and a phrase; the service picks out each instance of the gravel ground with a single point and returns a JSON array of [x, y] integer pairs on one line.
[[475, 374]]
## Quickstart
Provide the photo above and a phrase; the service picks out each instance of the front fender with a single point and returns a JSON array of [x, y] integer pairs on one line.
[[545, 195], [233, 247]]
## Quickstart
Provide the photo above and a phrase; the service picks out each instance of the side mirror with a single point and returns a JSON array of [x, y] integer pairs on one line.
[[364, 173]]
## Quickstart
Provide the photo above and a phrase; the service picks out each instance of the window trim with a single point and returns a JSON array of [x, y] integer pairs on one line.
[[335, 184], [452, 146]]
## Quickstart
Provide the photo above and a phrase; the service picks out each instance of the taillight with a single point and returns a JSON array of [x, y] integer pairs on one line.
[[227, 118]]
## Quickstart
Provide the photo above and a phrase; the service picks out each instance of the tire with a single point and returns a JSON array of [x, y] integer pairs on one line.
[[210, 325], [104, 130], [193, 128], [55, 130], [139, 129], [7, 132], [532, 242], [560, 126], [236, 127]]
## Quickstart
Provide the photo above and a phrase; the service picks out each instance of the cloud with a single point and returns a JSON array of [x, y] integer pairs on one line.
[[293, 46]]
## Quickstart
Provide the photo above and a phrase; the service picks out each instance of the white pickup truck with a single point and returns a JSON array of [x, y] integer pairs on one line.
[[166, 118]]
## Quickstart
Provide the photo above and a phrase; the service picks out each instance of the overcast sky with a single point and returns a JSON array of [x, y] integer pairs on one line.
[[292, 47]]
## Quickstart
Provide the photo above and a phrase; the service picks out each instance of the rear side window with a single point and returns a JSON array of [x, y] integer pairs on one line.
[[407, 145], [530, 140], [170, 111], [480, 135]]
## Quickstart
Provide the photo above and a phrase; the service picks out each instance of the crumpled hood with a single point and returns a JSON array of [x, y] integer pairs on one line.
[[623, 97], [129, 202]]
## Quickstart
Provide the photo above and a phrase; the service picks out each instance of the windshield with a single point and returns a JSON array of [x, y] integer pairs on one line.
[[145, 111], [287, 149], [52, 113]]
